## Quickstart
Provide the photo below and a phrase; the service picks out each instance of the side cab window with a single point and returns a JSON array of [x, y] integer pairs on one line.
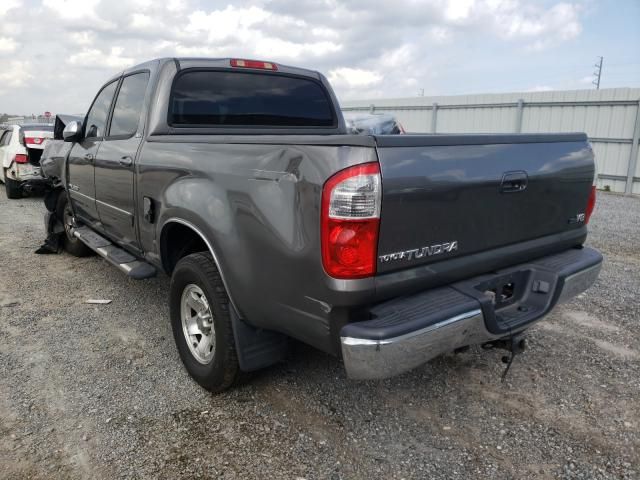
[[99, 112], [128, 106]]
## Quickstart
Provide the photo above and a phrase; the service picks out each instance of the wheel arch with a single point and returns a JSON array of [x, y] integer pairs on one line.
[[168, 263]]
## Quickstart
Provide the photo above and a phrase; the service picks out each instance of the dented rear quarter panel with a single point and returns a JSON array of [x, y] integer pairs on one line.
[[258, 204]]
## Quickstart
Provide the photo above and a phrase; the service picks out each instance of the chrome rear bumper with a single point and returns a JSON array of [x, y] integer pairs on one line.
[[371, 359], [380, 356]]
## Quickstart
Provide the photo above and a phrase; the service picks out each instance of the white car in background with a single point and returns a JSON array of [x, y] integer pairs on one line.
[[21, 147]]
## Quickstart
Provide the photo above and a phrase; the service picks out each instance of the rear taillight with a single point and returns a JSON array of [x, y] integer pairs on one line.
[[239, 63], [591, 204], [33, 140], [350, 221], [21, 158]]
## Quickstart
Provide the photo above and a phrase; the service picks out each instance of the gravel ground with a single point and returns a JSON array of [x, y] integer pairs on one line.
[[98, 391]]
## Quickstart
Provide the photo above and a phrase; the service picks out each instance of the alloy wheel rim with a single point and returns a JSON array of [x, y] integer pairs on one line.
[[197, 324]]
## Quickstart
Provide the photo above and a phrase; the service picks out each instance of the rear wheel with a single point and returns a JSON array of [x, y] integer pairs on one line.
[[201, 323], [72, 244], [12, 187]]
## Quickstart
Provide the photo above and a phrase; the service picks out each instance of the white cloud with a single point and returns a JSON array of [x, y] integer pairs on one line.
[[140, 20], [540, 88], [366, 49], [8, 5], [176, 5], [353, 77], [269, 47], [82, 38], [142, 3], [93, 56], [7, 45], [15, 73], [9, 28], [398, 57], [543, 27], [78, 14], [325, 32], [230, 22], [458, 9], [72, 9]]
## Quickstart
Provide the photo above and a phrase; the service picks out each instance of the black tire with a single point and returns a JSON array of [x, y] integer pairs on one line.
[[223, 370], [71, 244], [12, 187]]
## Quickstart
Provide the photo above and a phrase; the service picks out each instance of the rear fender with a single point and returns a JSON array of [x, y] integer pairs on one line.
[[202, 207]]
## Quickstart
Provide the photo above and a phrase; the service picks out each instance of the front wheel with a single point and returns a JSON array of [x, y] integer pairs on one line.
[[201, 323], [72, 244]]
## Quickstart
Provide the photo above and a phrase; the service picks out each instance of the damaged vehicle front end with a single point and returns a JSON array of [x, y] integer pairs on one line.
[[53, 165]]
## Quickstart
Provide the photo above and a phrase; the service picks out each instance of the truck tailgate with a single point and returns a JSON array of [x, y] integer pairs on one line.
[[447, 196]]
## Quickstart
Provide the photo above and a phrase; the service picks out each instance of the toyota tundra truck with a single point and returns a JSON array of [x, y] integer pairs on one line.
[[240, 180]]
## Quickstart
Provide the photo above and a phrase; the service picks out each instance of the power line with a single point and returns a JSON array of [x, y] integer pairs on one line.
[[598, 73]]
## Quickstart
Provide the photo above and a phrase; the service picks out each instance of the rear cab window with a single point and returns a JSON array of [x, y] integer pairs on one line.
[[248, 99]]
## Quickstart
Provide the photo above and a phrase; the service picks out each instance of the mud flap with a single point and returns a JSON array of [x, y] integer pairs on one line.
[[256, 348]]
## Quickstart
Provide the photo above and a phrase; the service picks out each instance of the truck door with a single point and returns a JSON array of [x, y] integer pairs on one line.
[[81, 182], [114, 164]]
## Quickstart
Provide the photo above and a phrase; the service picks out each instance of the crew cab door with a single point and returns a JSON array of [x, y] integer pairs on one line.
[[114, 163], [81, 181]]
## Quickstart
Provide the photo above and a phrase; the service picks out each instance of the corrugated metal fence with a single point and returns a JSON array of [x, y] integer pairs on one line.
[[610, 117]]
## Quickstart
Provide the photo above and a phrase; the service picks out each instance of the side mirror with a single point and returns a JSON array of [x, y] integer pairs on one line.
[[72, 131]]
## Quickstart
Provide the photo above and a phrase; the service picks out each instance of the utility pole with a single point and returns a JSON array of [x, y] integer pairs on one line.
[[598, 73]]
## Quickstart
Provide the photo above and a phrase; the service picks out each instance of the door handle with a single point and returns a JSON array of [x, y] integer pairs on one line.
[[88, 157], [126, 161], [514, 182]]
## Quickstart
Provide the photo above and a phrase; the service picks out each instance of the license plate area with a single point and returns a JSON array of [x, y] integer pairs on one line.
[[505, 290]]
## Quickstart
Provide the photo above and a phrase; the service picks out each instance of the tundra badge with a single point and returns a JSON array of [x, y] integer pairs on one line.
[[437, 249]]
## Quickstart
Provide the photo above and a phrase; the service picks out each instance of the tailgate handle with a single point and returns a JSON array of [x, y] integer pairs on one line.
[[514, 181]]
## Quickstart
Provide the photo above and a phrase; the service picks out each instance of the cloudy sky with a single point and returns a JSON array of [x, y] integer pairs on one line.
[[55, 54]]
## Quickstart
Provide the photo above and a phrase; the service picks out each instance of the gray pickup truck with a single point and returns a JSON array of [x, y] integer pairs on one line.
[[239, 179]]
